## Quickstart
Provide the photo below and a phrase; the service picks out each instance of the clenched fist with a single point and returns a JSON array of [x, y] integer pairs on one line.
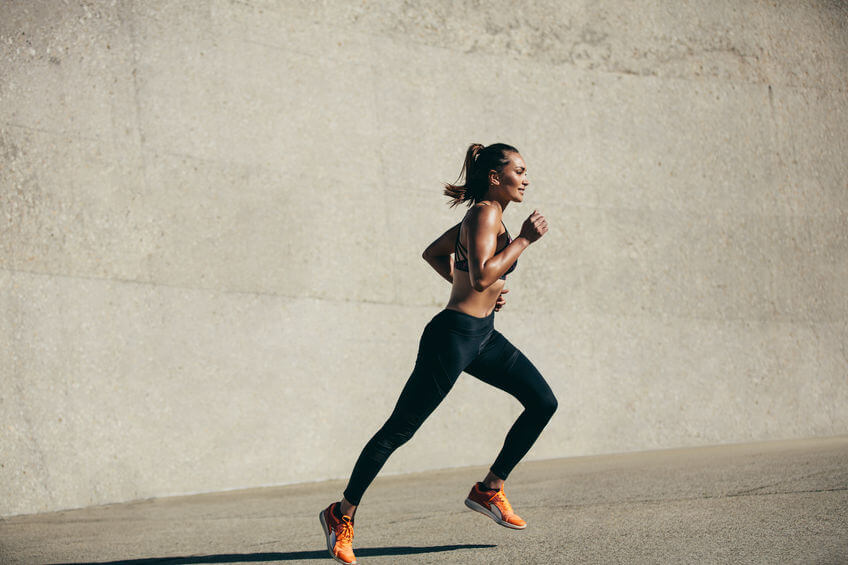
[[534, 227]]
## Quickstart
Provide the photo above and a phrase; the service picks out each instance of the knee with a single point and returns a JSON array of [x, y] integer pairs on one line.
[[547, 405]]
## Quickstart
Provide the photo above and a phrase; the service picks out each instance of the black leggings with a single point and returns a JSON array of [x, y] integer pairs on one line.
[[453, 342]]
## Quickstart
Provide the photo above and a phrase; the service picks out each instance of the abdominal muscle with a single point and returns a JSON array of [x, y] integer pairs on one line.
[[475, 303]]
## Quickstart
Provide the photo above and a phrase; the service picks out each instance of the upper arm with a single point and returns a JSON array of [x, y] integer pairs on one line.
[[483, 227], [444, 244]]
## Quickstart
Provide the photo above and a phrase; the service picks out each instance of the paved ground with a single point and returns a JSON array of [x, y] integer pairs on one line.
[[776, 502]]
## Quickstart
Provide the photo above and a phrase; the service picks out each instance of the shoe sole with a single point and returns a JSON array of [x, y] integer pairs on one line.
[[486, 512], [325, 528]]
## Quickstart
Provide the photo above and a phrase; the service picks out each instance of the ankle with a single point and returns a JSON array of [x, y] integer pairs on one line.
[[346, 508], [492, 481]]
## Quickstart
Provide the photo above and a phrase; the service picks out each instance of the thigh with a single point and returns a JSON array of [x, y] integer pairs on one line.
[[503, 366], [442, 355]]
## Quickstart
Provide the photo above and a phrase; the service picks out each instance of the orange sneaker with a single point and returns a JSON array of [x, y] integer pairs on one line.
[[339, 534], [493, 503]]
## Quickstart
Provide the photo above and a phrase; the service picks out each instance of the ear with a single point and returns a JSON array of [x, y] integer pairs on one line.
[[494, 178]]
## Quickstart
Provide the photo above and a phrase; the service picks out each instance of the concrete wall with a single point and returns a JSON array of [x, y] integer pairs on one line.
[[213, 214]]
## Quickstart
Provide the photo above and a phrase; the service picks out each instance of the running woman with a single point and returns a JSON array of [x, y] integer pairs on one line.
[[475, 256]]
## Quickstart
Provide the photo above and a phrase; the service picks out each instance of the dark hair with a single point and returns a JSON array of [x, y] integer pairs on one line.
[[479, 160]]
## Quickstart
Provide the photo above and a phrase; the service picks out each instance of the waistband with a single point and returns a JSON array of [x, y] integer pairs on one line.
[[466, 323]]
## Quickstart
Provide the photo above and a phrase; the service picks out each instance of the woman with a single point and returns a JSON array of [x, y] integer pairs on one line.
[[474, 256]]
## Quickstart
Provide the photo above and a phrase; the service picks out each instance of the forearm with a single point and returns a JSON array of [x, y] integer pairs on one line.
[[439, 254], [442, 264]]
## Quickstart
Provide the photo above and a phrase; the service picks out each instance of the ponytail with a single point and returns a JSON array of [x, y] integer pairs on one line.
[[479, 160], [458, 193]]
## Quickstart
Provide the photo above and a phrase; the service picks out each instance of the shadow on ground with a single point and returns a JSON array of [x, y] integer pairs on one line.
[[290, 556]]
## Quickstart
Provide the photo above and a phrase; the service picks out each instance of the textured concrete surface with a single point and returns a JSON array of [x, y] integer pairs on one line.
[[212, 214], [776, 502]]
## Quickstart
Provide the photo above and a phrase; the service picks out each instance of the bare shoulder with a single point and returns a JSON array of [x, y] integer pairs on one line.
[[485, 214]]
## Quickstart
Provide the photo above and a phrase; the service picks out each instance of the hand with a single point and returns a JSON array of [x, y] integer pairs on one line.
[[501, 300], [534, 227]]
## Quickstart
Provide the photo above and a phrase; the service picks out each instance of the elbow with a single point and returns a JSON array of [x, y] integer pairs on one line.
[[480, 279], [429, 258], [479, 285]]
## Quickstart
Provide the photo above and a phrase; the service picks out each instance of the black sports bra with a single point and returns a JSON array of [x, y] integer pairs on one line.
[[460, 262]]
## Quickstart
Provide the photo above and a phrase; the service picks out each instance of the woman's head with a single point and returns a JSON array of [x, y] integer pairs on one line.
[[480, 164]]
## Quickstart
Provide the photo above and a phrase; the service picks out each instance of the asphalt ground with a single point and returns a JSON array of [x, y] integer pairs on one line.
[[774, 502]]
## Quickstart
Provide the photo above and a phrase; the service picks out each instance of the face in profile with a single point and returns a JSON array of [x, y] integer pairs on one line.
[[513, 177]]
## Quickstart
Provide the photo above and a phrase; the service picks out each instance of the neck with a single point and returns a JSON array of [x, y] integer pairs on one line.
[[493, 196]]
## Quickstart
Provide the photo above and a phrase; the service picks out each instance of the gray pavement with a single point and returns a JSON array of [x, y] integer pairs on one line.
[[774, 502]]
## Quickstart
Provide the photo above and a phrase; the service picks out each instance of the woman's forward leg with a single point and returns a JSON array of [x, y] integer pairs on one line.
[[502, 365]]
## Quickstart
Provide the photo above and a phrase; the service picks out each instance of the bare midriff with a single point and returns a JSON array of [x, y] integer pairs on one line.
[[475, 303]]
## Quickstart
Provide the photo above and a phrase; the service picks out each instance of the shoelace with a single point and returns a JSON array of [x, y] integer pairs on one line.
[[504, 503], [344, 531]]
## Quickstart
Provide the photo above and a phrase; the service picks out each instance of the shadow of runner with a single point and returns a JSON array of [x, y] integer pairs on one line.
[[289, 556]]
